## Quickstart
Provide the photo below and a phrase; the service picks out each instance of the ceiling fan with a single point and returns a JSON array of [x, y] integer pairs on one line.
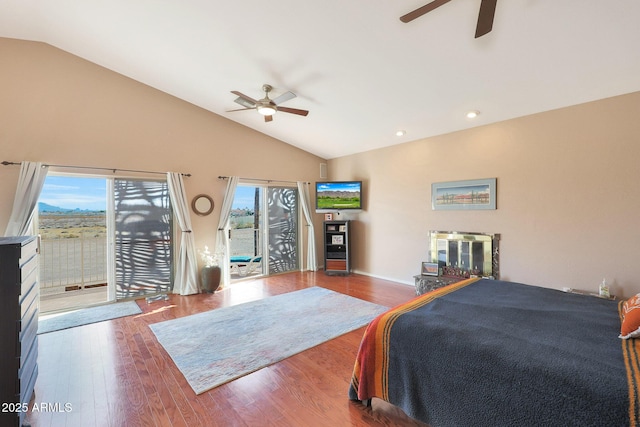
[[485, 17], [266, 106]]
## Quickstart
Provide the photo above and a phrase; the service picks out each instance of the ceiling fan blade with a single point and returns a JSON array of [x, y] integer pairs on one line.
[[485, 17], [267, 119], [293, 111], [241, 109], [284, 97], [422, 10], [243, 96], [245, 103]]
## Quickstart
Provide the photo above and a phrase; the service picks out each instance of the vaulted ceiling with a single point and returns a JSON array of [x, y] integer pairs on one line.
[[361, 73]]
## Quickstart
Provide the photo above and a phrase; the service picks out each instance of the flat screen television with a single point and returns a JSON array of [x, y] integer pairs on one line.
[[338, 195]]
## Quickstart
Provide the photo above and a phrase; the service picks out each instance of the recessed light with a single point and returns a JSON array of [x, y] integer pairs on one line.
[[473, 114], [400, 133]]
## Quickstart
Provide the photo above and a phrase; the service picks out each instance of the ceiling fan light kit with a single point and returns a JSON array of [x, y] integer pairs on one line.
[[266, 110], [266, 106]]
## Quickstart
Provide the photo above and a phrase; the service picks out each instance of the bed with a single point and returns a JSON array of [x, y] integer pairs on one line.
[[494, 353]]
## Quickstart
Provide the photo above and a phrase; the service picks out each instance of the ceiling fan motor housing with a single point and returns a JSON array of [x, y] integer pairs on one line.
[[266, 106]]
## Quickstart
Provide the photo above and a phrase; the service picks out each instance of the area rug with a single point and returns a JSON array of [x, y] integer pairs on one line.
[[217, 346], [85, 316]]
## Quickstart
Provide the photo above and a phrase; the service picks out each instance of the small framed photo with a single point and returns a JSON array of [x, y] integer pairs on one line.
[[342, 228], [337, 239], [328, 217], [429, 269]]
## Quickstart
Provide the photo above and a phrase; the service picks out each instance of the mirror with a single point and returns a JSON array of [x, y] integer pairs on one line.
[[202, 204]]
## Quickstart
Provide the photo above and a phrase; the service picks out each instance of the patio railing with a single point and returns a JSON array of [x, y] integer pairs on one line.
[[72, 263], [244, 241], [77, 263]]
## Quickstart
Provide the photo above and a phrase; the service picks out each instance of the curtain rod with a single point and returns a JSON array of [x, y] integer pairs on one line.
[[6, 163], [264, 180]]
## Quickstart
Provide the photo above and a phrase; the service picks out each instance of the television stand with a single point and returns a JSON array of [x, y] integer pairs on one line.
[[337, 248]]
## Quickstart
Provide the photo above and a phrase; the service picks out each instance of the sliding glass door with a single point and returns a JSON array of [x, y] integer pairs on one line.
[[264, 231], [142, 238], [282, 206], [103, 239], [72, 225]]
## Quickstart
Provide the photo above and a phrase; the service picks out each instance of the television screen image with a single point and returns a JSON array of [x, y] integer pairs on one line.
[[338, 195]]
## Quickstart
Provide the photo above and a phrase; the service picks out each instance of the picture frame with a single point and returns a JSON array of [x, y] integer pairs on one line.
[[337, 239], [471, 194], [430, 269]]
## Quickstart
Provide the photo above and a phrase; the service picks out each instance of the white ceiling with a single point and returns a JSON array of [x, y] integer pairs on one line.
[[360, 72]]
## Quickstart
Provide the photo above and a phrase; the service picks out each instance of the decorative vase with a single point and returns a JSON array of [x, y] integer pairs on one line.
[[210, 278]]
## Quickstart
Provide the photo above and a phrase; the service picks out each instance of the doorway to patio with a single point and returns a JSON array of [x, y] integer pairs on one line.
[[264, 231], [102, 239]]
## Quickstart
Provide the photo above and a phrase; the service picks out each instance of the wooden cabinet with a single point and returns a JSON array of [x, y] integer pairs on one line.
[[19, 305], [337, 250]]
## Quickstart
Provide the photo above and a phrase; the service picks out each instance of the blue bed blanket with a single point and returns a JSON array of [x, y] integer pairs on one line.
[[495, 353]]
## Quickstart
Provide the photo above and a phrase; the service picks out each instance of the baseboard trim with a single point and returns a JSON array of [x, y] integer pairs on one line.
[[391, 279]]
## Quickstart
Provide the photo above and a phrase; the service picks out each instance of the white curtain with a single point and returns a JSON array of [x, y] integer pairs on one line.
[[32, 176], [305, 201], [222, 239], [186, 279]]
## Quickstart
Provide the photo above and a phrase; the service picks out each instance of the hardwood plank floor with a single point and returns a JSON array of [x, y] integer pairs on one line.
[[115, 373]]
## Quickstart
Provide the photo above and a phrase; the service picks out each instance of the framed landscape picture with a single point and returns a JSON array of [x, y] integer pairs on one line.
[[464, 195], [430, 269]]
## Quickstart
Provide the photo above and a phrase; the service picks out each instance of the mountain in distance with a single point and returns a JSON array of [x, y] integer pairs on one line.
[[47, 208]]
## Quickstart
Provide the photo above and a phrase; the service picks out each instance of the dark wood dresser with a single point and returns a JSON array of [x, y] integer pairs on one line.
[[19, 304]]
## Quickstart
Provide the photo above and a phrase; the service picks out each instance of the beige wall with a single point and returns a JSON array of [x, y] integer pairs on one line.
[[568, 196], [60, 109]]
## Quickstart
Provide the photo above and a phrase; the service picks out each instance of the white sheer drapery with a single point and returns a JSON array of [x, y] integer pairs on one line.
[[32, 176], [186, 276], [222, 239], [305, 202]]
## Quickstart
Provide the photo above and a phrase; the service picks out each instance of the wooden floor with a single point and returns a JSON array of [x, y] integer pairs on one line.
[[72, 300], [115, 373]]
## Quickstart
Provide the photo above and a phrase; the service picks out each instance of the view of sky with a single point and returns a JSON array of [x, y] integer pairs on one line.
[[338, 186], [244, 197], [75, 192], [466, 189]]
